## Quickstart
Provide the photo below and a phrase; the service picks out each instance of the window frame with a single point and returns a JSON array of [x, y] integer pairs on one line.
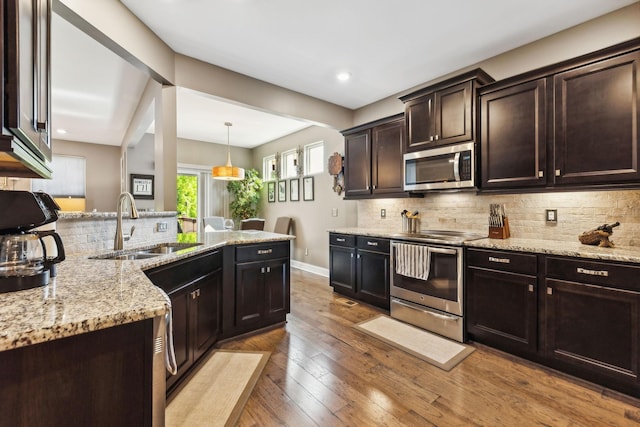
[[307, 158]]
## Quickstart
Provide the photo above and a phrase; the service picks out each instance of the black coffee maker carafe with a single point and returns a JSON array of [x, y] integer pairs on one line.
[[24, 263]]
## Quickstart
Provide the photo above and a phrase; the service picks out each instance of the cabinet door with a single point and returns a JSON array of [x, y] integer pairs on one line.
[[27, 108], [502, 309], [276, 289], [597, 109], [357, 168], [181, 332], [421, 123], [386, 160], [373, 278], [205, 305], [453, 121], [249, 293], [593, 329], [342, 269], [514, 137]]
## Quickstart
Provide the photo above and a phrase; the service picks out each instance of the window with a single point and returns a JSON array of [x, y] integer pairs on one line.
[[269, 168], [314, 158], [289, 164], [68, 178]]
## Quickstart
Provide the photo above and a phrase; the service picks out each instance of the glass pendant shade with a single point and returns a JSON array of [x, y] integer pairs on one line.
[[227, 172]]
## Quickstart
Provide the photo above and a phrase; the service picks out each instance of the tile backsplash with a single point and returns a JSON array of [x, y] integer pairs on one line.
[[577, 212]]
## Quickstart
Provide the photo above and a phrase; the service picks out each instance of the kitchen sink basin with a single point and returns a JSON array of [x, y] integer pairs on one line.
[[145, 253]]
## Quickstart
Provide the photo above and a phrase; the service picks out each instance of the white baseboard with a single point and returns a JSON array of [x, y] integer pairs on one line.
[[310, 268]]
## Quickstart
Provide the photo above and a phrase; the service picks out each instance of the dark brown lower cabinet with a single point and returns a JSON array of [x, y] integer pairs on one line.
[[257, 286], [584, 319], [359, 267], [592, 322], [100, 378], [194, 286], [502, 310]]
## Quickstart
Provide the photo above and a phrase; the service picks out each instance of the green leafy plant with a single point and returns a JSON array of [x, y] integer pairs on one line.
[[246, 194], [187, 195]]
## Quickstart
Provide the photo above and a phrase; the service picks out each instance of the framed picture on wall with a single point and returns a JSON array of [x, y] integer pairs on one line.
[[282, 191], [141, 186], [294, 190], [271, 191], [307, 188]]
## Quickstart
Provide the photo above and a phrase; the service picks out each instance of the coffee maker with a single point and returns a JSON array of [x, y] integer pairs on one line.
[[24, 263]]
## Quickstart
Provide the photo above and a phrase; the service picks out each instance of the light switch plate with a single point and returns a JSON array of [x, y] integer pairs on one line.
[[334, 211], [551, 215]]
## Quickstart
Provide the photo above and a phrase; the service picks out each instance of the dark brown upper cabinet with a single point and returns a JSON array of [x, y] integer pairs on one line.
[[514, 136], [373, 159], [25, 142], [597, 109], [443, 114], [568, 125]]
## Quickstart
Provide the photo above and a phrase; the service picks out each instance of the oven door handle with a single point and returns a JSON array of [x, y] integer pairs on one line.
[[443, 251], [429, 312]]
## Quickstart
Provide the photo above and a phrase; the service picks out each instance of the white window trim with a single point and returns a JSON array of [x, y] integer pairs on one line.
[[306, 158]]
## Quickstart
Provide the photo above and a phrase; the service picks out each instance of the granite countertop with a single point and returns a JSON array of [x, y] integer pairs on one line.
[[629, 254], [92, 294]]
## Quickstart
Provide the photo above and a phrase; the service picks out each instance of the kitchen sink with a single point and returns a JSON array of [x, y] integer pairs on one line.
[[149, 252]]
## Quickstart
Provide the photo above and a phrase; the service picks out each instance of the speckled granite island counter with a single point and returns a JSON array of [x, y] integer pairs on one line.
[[92, 294]]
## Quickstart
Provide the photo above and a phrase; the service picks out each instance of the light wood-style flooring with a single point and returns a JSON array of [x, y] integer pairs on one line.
[[324, 372]]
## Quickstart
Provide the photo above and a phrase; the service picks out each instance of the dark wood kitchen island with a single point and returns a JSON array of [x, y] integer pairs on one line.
[[88, 348]]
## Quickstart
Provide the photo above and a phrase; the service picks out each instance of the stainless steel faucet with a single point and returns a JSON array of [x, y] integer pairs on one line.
[[118, 241]]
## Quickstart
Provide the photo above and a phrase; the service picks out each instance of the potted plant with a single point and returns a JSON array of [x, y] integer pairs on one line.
[[246, 194]]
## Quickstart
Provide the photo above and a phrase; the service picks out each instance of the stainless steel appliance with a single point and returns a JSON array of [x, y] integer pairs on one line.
[[24, 263], [427, 283], [442, 168]]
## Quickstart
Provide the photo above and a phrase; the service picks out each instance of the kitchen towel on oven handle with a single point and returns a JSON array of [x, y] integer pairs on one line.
[[412, 260]]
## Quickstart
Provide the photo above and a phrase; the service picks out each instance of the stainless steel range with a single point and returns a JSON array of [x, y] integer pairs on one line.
[[427, 286]]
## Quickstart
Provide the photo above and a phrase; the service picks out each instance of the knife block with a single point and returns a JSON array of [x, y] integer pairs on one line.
[[500, 232]]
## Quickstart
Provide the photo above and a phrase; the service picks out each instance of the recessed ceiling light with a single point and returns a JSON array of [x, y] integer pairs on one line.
[[343, 76], [61, 131]]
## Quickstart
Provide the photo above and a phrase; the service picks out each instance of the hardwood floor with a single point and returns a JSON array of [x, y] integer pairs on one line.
[[323, 372]]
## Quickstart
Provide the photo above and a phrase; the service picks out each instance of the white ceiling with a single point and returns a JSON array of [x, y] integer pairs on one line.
[[387, 47]]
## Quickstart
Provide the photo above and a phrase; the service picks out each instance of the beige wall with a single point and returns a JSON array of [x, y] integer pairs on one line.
[[607, 30], [200, 153], [311, 219], [102, 170]]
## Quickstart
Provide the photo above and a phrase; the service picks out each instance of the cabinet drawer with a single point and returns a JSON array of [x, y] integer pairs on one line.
[[250, 253], [342, 239], [503, 261], [373, 244], [172, 276], [594, 272]]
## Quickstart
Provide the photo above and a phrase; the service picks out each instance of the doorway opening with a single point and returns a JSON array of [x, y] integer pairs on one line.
[[187, 207]]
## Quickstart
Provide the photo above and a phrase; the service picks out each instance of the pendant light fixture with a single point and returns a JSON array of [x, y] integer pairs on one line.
[[228, 172]]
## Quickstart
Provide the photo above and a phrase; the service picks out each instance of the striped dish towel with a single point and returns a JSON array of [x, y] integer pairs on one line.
[[412, 261]]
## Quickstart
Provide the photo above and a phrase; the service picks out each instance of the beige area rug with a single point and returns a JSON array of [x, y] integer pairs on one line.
[[439, 351], [217, 393]]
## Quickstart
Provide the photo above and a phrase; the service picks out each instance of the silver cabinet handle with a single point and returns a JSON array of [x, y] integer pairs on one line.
[[603, 273], [557, 172], [549, 291], [540, 174], [264, 251], [500, 260], [437, 137], [431, 138], [372, 243], [530, 288], [341, 240], [443, 251]]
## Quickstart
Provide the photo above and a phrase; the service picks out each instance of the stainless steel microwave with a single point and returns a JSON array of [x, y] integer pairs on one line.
[[449, 167]]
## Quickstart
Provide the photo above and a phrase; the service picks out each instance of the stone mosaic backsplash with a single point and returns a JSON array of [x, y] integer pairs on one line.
[[577, 212], [88, 233]]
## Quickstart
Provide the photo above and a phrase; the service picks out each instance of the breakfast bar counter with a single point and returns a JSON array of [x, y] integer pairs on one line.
[[92, 294]]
